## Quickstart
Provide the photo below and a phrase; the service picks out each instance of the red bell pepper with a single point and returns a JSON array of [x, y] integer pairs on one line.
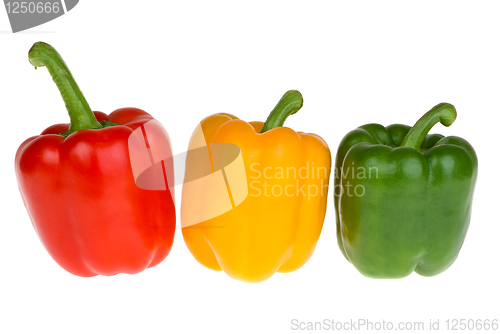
[[77, 183]]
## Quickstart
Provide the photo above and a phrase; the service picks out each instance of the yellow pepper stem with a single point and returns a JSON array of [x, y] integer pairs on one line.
[[289, 104]]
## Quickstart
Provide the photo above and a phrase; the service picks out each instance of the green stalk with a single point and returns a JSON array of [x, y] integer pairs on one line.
[[80, 114], [443, 112], [289, 104]]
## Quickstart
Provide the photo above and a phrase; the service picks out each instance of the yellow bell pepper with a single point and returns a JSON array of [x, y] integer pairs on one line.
[[267, 215]]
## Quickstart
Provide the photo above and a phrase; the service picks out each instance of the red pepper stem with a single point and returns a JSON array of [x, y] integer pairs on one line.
[[443, 112], [289, 104], [80, 114]]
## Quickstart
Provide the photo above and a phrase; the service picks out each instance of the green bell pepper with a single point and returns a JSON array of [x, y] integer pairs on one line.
[[403, 198]]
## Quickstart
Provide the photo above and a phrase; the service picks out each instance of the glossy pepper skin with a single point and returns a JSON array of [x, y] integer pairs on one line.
[[80, 192], [413, 203], [264, 234]]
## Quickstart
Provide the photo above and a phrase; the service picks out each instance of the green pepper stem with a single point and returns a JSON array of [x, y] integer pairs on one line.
[[289, 104], [443, 112], [80, 114]]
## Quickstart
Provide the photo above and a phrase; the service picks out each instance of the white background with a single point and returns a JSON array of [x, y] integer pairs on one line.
[[355, 62]]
